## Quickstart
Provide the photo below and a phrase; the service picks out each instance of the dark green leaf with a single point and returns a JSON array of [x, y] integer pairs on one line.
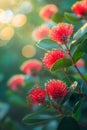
[[39, 117], [32, 119], [71, 17], [62, 63], [68, 123], [9, 125], [67, 81], [80, 32], [77, 105], [80, 50], [47, 44], [77, 55], [82, 87]]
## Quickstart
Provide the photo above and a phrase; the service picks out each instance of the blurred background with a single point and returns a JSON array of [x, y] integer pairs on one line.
[[18, 18]]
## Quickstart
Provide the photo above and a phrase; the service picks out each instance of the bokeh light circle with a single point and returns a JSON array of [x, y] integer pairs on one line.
[[6, 33], [19, 20], [28, 51]]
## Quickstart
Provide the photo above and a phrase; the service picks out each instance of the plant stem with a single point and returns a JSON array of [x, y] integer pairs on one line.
[[81, 75], [66, 75]]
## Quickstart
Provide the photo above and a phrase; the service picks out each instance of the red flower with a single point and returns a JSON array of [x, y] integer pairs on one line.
[[56, 89], [16, 81], [80, 63], [41, 32], [61, 33], [47, 11], [52, 56], [37, 95], [31, 67], [80, 8]]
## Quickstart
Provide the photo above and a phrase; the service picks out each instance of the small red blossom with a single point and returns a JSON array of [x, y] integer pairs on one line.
[[52, 56], [56, 89], [41, 32], [31, 67], [47, 11], [80, 8], [37, 95], [80, 63], [16, 81], [61, 33]]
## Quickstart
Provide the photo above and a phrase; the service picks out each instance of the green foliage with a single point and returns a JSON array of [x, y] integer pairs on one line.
[[81, 32], [71, 17], [61, 63], [47, 44], [9, 125], [38, 117], [68, 123]]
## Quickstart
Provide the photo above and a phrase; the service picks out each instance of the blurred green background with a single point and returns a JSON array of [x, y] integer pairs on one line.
[[15, 51]]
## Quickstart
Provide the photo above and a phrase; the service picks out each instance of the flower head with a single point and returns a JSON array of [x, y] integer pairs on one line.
[[31, 67], [47, 11], [41, 32], [80, 63], [56, 89], [61, 33], [52, 56], [37, 95], [80, 8], [16, 81]]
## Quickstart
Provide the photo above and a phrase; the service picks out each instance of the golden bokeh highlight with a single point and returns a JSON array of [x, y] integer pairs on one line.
[[28, 51], [19, 20], [5, 4], [6, 33], [1, 24]]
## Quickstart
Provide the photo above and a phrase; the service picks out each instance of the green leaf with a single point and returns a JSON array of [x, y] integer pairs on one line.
[[77, 55], [62, 63], [39, 117], [80, 32], [80, 50], [77, 111], [71, 17], [31, 119], [58, 17], [77, 105], [83, 47], [47, 44], [9, 124], [68, 123]]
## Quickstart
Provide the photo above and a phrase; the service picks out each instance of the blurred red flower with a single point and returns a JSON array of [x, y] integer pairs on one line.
[[31, 67], [80, 8], [41, 32], [56, 89], [61, 33], [47, 11], [16, 81], [37, 95]]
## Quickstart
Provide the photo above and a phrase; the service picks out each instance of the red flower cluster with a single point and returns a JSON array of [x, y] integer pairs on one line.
[[80, 8], [52, 56], [31, 67], [47, 11], [37, 95], [61, 33], [56, 89], [16, 81], [41, 32], [80, 63]]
